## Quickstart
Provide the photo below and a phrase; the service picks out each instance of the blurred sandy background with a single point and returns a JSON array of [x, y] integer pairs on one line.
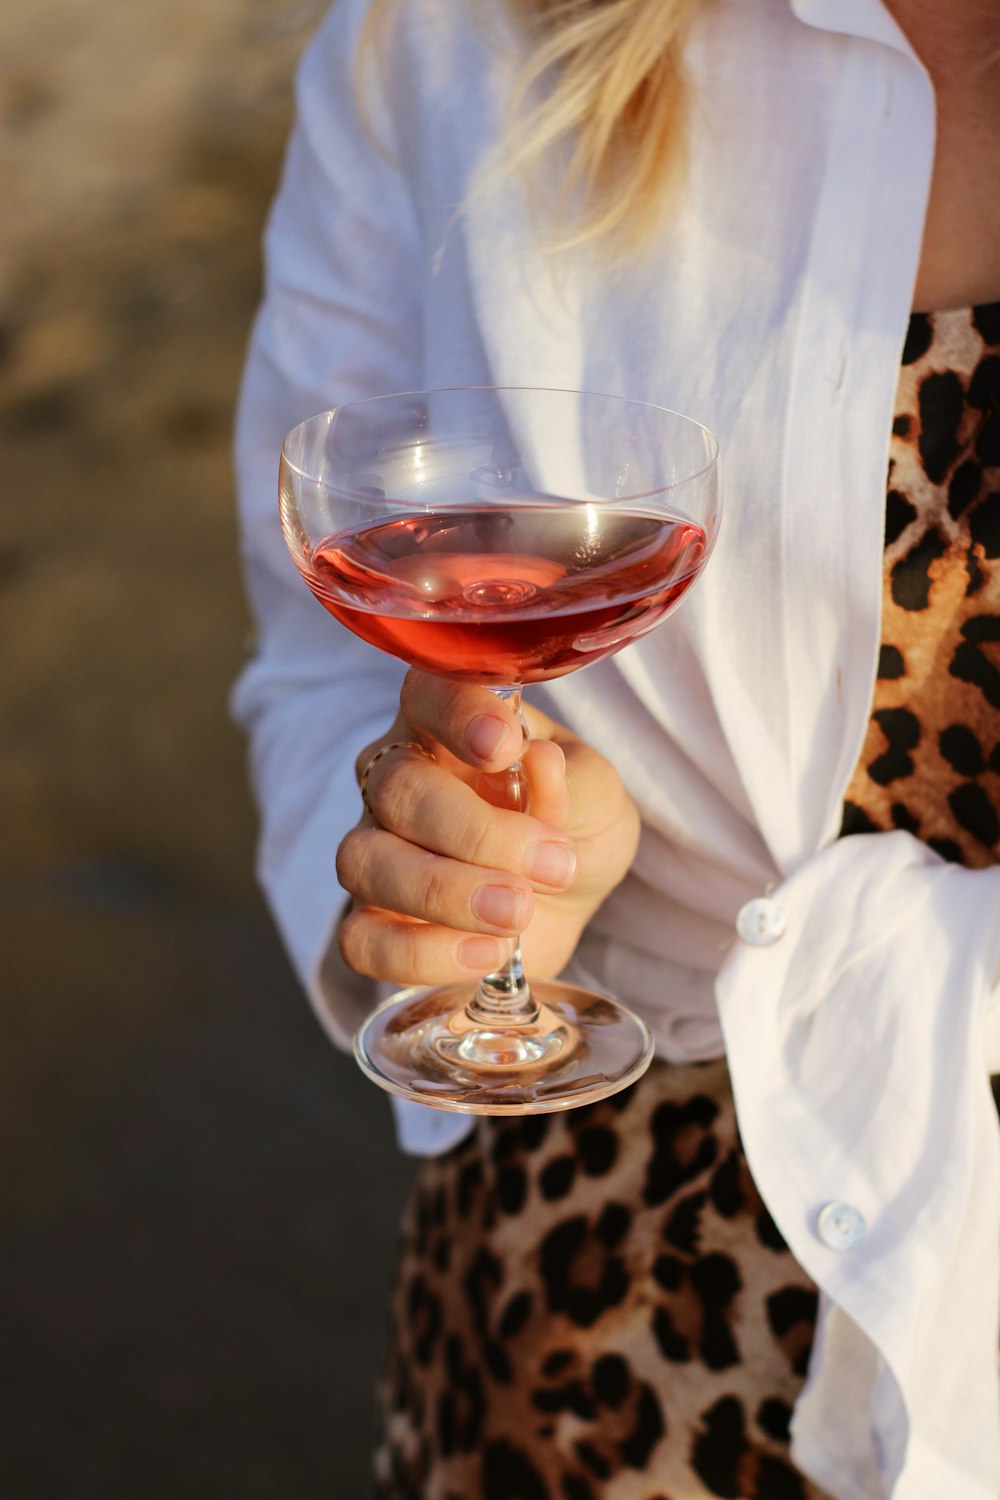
[[198, 1193]]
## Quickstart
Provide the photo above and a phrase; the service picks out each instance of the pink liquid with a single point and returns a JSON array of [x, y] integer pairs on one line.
[[506, 593]]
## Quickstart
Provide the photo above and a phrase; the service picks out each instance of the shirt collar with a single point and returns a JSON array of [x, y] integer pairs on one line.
[[868, 19]]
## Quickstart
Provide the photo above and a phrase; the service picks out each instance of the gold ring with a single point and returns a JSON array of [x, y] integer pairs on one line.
[[396, 745]]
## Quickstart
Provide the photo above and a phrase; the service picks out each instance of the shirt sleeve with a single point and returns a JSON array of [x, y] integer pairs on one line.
[[340, 320]]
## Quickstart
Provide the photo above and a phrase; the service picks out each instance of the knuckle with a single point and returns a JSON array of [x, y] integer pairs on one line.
[[476, 838], [380, 947], [453, 698], [364, 755], [414, 691], [411, 952], [432, 702], [394, 792], [349, 855], [352, 944], [425, 700], [436, 891], [408, 803]]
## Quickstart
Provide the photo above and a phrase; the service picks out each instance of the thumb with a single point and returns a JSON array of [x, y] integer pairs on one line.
[[548, 791]]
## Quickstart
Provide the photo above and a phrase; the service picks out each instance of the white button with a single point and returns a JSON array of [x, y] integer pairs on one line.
[[840, 1226], [761, 922]]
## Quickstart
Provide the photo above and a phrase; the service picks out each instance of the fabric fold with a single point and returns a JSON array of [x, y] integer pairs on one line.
[[874, 1003]]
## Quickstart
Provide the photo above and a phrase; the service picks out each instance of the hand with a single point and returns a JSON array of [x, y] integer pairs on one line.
[[442, 882]]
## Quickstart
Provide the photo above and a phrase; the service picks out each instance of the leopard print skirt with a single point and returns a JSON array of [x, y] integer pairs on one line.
[[596, 1306]]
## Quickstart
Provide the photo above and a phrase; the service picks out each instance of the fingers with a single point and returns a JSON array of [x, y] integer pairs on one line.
[[380, 869], [399, 733], [423, 804], [424, 918], [472, 723], [388, 945], [548, 787], [443, 880]]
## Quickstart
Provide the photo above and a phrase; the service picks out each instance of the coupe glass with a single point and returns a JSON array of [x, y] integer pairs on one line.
[[503, 537]]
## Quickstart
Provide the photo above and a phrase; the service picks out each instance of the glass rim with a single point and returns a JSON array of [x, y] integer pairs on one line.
[[444, 390]]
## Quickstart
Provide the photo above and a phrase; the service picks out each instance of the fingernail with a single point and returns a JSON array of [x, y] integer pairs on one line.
[[485, 735], [499, 905], [551, 864], [484, 953]]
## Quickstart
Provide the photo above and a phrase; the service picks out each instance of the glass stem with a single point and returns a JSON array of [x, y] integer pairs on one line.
[[503, 998]]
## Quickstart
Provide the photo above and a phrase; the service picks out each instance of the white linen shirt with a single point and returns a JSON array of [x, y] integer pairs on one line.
[[773, 307]]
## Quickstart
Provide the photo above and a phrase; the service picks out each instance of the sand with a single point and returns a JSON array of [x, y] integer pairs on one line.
[[180, 1291]]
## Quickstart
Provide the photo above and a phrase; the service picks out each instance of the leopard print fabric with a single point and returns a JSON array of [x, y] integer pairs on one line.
[[931, 760], [597, 1305]]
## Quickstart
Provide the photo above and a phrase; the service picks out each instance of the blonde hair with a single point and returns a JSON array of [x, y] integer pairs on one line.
[[604, 84], [603, 90]]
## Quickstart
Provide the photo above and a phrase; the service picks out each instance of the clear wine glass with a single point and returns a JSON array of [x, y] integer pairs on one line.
[[501, 536]]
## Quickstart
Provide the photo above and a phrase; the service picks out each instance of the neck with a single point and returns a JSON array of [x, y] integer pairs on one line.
[[958, 41]]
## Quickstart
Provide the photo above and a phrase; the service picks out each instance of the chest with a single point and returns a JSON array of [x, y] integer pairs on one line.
[[960, 254]]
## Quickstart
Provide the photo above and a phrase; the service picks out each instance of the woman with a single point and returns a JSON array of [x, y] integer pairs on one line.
[[762, 228]]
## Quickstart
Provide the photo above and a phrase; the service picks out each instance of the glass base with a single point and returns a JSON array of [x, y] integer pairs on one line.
[[421, 1045]]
